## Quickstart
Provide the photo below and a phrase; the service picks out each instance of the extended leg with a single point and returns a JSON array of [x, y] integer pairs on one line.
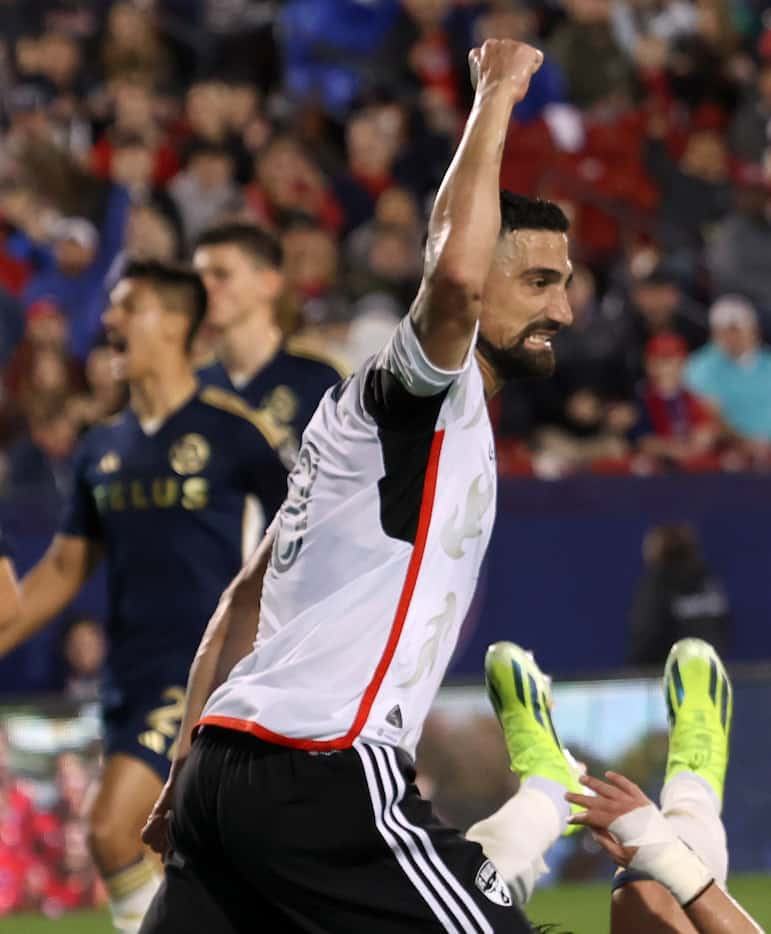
[[699, 703], [517, 837], [126, 793]]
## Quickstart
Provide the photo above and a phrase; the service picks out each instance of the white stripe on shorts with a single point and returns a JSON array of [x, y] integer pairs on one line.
[[482, 924], [416, 856], [385, 826]]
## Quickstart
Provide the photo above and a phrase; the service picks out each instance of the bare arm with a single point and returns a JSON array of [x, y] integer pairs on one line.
[[465, 221], [228, 638], [9, 593], [669, 861], [49, 587]]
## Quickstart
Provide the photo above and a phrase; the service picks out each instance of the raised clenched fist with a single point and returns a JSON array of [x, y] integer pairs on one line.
[[504, 63]]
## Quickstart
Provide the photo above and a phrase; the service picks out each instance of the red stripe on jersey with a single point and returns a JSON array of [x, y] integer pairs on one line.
[[402, 609]]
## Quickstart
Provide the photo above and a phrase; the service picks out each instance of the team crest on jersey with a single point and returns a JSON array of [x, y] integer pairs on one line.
[[110, 463], [282, 403], [189, 455], [491, 885]]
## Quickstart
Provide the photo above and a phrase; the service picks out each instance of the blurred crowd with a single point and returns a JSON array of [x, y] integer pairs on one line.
[[45, 865], [128, 128]]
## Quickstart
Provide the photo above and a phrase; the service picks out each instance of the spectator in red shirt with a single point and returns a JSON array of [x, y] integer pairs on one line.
[[374, 136], [42, 373], [134, 115], [17, 835], [20, 209], [288, 181], [14, 865], [73, 883], [423, 40], [133, 166], [314, 302], [674, 426], [16, 810]]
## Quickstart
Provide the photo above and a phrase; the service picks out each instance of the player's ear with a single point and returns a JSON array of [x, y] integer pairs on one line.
[[176, 327], [272, 283]]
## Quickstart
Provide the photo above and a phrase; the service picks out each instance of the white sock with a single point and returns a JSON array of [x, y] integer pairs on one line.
[[518, 835], [131, 891], [692, 808], [523, 884], [555, 792]]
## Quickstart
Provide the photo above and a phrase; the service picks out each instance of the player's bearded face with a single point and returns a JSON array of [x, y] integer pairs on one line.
[[525, 303], [529, 355]]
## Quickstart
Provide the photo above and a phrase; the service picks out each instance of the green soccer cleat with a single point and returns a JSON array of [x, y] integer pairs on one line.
[[699, 704], [521, 697]]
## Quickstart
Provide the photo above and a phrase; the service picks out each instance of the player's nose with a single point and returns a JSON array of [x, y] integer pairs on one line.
[[560, 309], [110, 316]]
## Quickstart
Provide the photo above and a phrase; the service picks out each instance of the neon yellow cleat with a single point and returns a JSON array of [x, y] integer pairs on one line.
[[699, 703], [521, 697]]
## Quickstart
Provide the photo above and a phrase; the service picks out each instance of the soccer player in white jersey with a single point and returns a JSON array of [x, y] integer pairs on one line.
[[675, 859], [296, 807]]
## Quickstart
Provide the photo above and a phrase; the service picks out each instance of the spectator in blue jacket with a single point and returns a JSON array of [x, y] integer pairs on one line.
[[734, 369], [72, 271]]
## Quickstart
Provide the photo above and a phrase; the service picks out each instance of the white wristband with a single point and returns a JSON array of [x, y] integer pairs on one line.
[[660, 852]]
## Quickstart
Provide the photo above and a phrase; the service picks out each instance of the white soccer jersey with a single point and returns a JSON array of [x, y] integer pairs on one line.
[[377, 552]]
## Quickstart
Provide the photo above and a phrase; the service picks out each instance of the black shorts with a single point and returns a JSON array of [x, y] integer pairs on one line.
[[271, 839], [144, 723]]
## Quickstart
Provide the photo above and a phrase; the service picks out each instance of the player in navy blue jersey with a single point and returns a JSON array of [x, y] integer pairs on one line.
[[241, 268], [164, 492]]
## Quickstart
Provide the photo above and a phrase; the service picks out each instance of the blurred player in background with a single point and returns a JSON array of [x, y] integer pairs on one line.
[[240, 265], [165, 491], [296, 804], [676, 859], [9, 588]]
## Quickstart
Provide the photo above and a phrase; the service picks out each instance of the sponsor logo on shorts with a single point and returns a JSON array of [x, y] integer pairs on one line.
[[491, 885]]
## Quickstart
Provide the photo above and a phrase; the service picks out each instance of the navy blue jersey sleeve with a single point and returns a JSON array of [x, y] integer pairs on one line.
[[81, 516], [263, 469], [5, 548], [325, 368], [259, 444], [325, 376]]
